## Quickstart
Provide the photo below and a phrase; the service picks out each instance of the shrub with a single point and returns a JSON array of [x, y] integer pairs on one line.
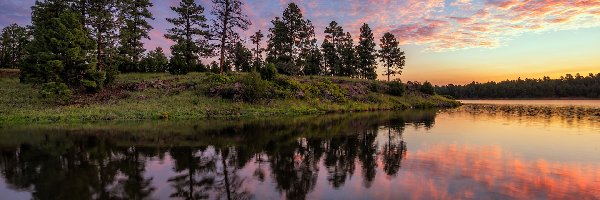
[[95, 81], [286, 87], [427, 88], [396, 88], [254, 88], [177, 66], [328, 90], [249, 88], [378, 87], [54, 91], [268, 72]]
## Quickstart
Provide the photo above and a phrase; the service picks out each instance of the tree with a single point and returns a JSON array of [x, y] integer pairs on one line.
[[391, 55], [61, 50], [302, 35], [347, 56], [279, 47], [133, 15], [291, 41], [190, 36], [155, 61], [330, 57], [427, 88], [256, 39], [335, 34], [13, 40], [102, 24], [366, 53], [228, 16], [240, 57], [312, 59]]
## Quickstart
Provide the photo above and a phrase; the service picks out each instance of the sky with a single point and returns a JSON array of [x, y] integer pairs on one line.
[[445, 41]]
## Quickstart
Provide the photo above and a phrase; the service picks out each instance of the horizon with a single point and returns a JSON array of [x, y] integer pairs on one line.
[[446, 42]]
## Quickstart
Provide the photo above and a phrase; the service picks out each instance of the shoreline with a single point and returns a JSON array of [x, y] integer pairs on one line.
[[161, 96]]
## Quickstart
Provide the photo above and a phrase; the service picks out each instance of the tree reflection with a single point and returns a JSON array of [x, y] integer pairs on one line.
[[196, 172], [210, 162]]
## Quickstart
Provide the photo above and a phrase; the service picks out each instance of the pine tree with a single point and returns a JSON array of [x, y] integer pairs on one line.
[[155, 61], [190, 35], [291, 40], [391, 55], [256, 39], [313, 59], [347, 56], [228, 17], [301, 31], [279, 47], [13, 40], [335, 35], [366, 53], [133, 15], [102, 23], [330, 57], [240, 57], [61, 50]]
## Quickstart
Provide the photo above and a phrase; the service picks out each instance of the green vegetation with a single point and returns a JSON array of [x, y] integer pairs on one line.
[[567, 86], [146, 96]]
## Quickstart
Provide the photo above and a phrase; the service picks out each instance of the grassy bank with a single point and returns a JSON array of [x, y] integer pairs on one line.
[[204, 95]]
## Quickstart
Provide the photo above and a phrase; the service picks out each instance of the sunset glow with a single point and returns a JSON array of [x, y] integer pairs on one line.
[[452, 41]]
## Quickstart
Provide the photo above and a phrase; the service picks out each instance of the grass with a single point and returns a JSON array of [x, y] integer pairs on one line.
[[154, 96]]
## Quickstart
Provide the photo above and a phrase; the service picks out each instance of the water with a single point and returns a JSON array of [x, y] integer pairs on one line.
[[590, 103], [451, 154]]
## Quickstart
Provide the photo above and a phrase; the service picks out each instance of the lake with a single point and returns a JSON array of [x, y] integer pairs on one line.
[[422, 154], [592, 103]]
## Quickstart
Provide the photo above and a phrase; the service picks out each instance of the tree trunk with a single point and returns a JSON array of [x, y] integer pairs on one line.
[[224, 36]]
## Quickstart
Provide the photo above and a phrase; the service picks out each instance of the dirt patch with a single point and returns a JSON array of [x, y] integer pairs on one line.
[[113, 93], [9, 73]]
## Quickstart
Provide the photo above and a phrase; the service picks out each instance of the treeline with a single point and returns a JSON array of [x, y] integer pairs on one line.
[[83, 44], [577, 86]]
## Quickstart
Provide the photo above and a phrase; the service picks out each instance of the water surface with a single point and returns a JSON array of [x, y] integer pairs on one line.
[[449, 154], [591, 103]]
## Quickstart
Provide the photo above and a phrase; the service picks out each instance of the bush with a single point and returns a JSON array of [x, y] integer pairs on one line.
[[58, 92], [177, 66], [95, 81], [249, 88], [254, 88], [427, 88], [325, 89], [396, 88], [268, 72]]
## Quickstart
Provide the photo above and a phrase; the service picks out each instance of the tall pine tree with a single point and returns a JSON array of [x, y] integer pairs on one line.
[[366, 53], [257, 50], [279, 47], [391, 56], [333, 39], [190, 35], [133, 15], [101, 20], [228, 17], [347, 56]]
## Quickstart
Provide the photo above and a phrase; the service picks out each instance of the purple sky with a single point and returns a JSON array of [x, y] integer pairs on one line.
[[445, 40]]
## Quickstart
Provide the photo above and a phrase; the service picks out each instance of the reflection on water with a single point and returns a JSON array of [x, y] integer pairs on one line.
[[389, 155], [587, 103]]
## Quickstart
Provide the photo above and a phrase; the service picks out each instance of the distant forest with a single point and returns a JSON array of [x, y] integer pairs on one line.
[[567, 86]]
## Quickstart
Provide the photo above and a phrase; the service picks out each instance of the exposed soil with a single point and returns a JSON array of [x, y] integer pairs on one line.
[[9, 73], [111, 94]]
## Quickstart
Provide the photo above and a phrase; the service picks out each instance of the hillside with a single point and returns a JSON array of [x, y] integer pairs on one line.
[[146, 96]]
